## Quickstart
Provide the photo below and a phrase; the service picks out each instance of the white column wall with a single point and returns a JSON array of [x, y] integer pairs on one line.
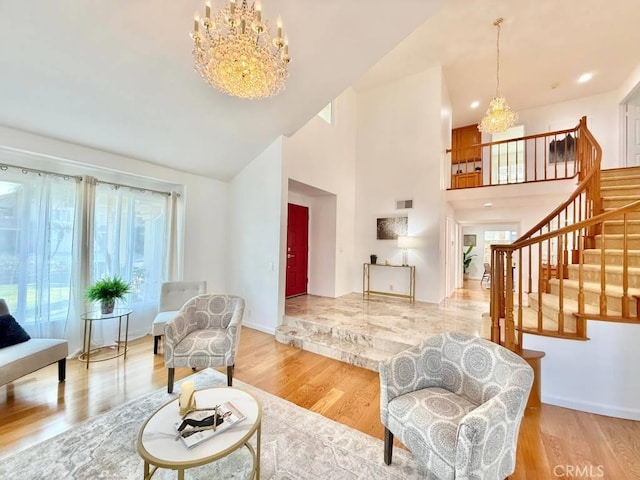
[[323, 156], [258, 238], [399, 156]]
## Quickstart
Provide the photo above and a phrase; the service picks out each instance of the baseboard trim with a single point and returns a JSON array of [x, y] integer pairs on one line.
[[260, 328], [591, 407]]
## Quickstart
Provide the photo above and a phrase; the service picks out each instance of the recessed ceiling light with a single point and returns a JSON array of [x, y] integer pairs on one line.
[[585, 77], [488, 205], [475, 104]]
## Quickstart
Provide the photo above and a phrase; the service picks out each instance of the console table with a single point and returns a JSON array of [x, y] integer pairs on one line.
[[366, 276]]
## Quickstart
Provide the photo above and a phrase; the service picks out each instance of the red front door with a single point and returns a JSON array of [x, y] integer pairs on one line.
[[297, 250]]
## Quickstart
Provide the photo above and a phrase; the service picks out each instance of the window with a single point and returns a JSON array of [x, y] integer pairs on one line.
[[327, 113], [129, 241], [507, 159], [37, 229], [496, 237], [46, 261]]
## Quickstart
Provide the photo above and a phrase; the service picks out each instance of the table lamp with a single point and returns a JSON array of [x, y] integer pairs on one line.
[[405, 243]]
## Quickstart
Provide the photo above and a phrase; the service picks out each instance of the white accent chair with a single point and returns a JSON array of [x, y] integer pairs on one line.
[[173, 295]]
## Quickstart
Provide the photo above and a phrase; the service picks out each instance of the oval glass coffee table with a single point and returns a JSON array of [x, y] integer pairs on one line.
[[158, 447]]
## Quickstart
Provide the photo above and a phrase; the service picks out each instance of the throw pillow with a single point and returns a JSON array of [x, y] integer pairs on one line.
[[11, 333]]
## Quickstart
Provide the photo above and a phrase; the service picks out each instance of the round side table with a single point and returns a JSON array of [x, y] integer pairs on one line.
[[95, 316]]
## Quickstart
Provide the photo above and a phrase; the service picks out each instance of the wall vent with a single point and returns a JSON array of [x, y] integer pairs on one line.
[[400, 204]]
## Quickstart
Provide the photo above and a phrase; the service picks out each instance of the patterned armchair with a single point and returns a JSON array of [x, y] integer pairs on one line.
[[205, 333], [456, 402]]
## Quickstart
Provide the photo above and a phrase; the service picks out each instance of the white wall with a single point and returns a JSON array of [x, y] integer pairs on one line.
[[399, 155], [629, 85], [598, 376], [258, 211], [602, 120], [449, 264], [323, 156]]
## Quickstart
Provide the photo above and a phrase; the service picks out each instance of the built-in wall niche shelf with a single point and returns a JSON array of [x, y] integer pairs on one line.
[[466, 161]]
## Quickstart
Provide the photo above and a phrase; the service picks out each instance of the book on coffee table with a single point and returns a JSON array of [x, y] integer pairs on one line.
[[227, 416]]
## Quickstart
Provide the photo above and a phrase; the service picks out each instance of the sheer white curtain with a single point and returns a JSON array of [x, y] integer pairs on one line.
[[38, 234], [129, 240]]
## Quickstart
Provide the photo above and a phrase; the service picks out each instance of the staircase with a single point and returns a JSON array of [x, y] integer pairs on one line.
[[619, 188]]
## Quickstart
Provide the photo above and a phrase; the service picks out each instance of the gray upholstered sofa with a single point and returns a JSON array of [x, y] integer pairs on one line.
[[27, 357]]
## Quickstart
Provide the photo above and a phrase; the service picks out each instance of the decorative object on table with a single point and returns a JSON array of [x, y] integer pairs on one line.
[[373, 258], [201, 424], [467, 256], [106, 291], [187, 399], [499, 116], [405, 243], [392, 228], [234, 53]]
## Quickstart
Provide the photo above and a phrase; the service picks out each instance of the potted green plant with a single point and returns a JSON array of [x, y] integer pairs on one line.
[[467, 256], [106, 291]]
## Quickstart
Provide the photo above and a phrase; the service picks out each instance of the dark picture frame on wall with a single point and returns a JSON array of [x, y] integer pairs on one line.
[[469, 240], [392, 227]]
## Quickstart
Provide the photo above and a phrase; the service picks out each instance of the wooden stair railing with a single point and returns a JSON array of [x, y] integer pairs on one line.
[[532, 158], [553, 250]]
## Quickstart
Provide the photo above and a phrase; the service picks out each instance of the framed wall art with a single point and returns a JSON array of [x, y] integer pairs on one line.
[[391, 228]]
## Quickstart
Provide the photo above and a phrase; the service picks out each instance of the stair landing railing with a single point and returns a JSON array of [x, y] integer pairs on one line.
[[532, 158]]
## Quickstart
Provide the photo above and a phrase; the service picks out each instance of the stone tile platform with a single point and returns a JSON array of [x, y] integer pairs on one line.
[[364, 331]]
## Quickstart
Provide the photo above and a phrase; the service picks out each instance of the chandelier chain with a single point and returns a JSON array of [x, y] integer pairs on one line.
[[497, 23], [499, 116]]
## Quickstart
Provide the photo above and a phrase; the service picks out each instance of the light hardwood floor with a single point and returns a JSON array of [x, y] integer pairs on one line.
[[554, 442]]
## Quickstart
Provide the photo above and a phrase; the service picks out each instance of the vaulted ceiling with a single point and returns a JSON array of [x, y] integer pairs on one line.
[[545, 45], [118, 75]]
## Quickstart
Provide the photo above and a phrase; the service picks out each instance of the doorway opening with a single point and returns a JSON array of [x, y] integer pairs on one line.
[[319, 258], [297, 250]]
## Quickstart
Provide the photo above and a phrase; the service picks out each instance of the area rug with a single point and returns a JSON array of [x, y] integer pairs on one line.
[[296, 444]]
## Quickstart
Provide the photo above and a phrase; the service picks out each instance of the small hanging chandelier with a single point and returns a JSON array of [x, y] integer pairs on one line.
[[499, 116], [234, 53]]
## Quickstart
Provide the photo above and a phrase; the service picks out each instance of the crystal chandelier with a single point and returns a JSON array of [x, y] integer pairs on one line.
[[499, 116], [234, 53]]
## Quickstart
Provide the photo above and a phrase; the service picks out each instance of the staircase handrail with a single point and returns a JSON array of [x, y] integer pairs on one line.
[[583, 209]]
